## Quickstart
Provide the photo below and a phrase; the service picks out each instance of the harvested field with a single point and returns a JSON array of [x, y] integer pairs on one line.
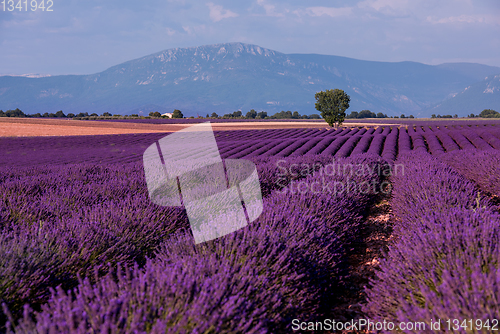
[[28, 127]]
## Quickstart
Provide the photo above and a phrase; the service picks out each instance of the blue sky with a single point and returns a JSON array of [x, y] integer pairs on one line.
[[88, 36]]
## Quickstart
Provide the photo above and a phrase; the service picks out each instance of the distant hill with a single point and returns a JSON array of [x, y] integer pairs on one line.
[[223, 78], [481, 95]]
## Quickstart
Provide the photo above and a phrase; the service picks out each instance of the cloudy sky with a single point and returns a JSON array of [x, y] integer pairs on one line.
[[88, 36]]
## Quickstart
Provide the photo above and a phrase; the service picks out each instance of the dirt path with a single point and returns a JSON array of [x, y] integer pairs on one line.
[[376, 235]]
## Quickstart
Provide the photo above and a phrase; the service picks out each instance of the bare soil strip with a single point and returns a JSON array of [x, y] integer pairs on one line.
[[24, 127], [35, 130], [376, 236]]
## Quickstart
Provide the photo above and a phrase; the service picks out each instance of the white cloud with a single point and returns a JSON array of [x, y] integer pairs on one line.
[[388, 7], [270, 9], [194, 30], [29, 20], [170, 32], [328, 11], [487, 19], [218, 13]]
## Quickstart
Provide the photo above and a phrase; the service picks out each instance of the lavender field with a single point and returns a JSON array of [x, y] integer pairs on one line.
[[84, 250]]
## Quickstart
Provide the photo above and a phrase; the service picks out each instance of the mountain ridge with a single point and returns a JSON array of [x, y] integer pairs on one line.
[[236, 76]]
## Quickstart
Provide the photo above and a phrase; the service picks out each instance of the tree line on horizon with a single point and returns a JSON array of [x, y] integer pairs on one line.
[[366, 114], [252, 114]]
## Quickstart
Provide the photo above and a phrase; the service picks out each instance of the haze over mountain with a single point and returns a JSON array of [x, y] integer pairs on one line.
[[223, 78]]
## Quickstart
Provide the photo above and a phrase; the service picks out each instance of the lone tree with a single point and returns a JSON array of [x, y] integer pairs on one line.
[[332, 104]]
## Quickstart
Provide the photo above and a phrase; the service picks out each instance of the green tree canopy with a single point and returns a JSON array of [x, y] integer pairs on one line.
[[283, 115], [214, 115], [13, 113], [362, 114], [60, 114], [251, 114], [262, 114], [177, 114], [366, 114], [353, 114], [332, 104], [489, 113]]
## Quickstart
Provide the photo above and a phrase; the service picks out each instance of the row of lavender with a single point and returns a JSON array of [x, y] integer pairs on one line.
[[443, 268], [58, 222], [347, 122], [92, 228], [386, 142], [318, 133]]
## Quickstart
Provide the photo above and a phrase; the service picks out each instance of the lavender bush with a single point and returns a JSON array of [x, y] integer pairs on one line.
[[447, 270], [257, 279], [448, 143], [444, 261], [433, 143], [461, 140], [391, 145], [363, 145], [335, 146], [346, 149], [58, 222], [404, 141], [481, 167]]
